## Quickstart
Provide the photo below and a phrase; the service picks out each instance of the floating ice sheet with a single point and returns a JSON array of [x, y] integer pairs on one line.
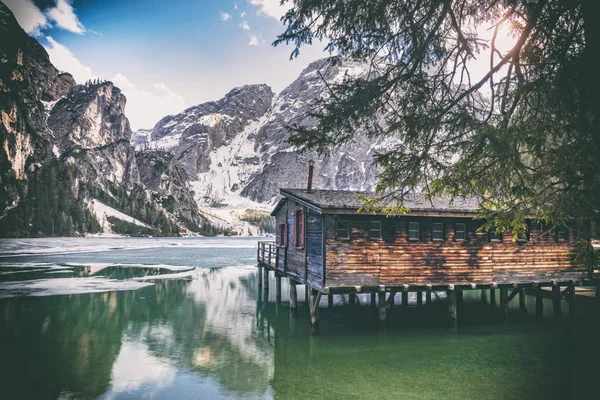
[[59, 286]]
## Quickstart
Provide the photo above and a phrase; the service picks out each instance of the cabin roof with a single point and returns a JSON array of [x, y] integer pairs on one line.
[[339, 201]]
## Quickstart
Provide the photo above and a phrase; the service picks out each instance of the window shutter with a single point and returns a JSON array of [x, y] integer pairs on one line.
[[302, 228]]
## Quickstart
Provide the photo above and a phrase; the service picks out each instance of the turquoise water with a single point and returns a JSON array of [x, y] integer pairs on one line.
[[182, 318]]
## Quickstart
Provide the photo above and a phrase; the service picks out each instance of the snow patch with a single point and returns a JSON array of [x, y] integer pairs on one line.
[[103, 211]]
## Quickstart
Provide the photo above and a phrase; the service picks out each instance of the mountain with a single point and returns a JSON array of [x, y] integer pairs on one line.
[[235, 150], [67, 165]]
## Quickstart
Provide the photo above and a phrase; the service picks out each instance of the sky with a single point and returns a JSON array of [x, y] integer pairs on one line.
[[165, 55]]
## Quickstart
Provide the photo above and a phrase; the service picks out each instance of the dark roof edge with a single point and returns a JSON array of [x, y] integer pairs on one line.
[[300, 200]]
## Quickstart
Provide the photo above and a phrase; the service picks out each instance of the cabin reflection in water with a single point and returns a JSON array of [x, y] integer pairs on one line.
[[324, 242]]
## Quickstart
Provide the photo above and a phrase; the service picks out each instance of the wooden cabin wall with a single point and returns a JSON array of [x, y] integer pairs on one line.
[[280, 219], [394, 260], [314, 247], [296, 258]]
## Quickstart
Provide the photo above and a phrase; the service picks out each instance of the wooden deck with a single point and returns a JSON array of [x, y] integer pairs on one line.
[[271, 257]]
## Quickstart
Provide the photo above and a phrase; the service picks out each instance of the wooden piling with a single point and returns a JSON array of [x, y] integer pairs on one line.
[[391, 298], [315, 297], [484, 299], [266, 286], [428, 296], [452, 314], [352, 299], [277, 288], [504, 301], [404, 298], [571, 299], [293, 297], [556, 297], [419, 298], [306, 297], [459, 298], [373, 299], [539, 302], [330, 300], [266, 280], [522, 300], [381, 306], [493, 297]]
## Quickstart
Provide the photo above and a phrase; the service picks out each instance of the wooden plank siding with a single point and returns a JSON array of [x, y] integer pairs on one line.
[[292, 259], [314, 247], [394, 260]]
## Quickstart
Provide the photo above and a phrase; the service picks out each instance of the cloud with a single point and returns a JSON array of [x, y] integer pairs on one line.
[[270, 8], [225, 16], [243, 15], [64, 60], [253, 41], [235, 6], [245, 25], [31, 19], [146, 107], [64, 16]]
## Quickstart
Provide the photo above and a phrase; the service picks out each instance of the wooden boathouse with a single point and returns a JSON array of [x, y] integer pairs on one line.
[[325, 243]]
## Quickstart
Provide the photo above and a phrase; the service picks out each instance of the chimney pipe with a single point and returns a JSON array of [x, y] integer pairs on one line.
[[311, 167]]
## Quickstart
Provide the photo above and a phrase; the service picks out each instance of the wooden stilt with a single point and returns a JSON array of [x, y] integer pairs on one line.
[[391, 298], [419, 298], [352, 299], [493, 297], [330, 300], [522, 300], [452, 312], [266, 286], [259, 278], [556, 300], [404, 299], [459, 298], [428, 296], [260, 283], [306, 297], [374, 299], [484, 296], [571, 299], [382, 307], [315, 297], [277, 289], [293, 297], [504, 301], [539, 302], [266, 280]]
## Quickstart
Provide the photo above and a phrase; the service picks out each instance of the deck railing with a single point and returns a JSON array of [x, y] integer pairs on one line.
[[267, 253]]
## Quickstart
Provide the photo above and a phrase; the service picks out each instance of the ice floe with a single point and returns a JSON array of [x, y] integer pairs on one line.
[[60, 286]]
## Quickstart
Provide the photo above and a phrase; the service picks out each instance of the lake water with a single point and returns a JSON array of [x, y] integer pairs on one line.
[[182, 319]]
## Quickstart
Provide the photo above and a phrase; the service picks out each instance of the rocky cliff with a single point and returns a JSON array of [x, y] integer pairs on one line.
[[235, 150], [65, 149], [28, 82]]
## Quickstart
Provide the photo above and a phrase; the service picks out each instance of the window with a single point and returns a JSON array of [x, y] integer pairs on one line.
[[495, 236], [375, 230], [524, 236], [299, 231], [562, 234], [460, 231], [343, 229], [437, 231], [413, 231], [283, 234]]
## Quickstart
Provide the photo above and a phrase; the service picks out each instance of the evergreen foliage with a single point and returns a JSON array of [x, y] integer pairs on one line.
[[50, 207], [262, 220], [524, 137]]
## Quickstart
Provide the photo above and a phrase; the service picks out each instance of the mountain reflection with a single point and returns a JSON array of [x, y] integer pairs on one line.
[[199, 335]]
